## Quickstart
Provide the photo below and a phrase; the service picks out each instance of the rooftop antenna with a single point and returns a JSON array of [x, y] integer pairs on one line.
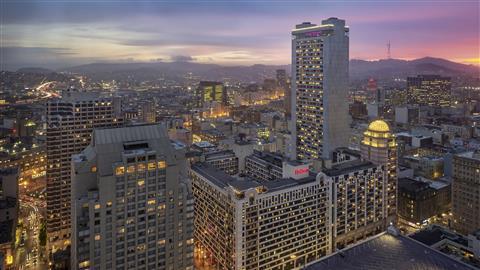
[[389, 55]]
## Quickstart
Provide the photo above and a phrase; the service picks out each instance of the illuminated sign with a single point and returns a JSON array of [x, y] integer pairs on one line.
[[301, 171]]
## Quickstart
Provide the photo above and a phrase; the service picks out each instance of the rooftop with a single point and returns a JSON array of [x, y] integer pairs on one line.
[[386, 251], [223, 180], [348, 167]]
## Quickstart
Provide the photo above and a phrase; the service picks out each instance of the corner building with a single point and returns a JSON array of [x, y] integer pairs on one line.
[[248, 224], [131, 202], [320, 88]]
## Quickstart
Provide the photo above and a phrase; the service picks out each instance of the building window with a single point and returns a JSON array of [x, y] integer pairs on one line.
[[120, 170], [161, 165]]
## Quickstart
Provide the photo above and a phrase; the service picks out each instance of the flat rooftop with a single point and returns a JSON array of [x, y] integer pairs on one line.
[[389, 252], [223, 180], [348, 167]]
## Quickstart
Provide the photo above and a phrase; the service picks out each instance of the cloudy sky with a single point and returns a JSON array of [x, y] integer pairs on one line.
[[60, 33]]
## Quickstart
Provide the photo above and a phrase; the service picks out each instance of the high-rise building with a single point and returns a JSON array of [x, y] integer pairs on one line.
[[320, 88], [70, 121], [431, 90], [358, 204], [131, 202], [282, 81], [148, 112], [208, 92], [465, 192], [379, 147], [249, 224], [8, 216]]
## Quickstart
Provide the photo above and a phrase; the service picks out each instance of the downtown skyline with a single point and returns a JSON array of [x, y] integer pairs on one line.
[[58, 34]]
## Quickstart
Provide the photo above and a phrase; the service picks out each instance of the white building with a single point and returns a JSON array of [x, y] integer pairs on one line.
[[320, 88]]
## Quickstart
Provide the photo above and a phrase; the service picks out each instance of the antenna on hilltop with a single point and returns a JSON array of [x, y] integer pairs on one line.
[[389, 55]]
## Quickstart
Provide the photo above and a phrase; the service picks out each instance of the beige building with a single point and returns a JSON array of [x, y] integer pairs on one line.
[[131, 202], [70, 121], [379, 147], [249, 224], [358, 202], [465, 192]]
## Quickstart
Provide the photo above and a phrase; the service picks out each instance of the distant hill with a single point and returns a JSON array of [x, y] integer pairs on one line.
[[359, 69], [36, 70], [154, 70], [388, 68]]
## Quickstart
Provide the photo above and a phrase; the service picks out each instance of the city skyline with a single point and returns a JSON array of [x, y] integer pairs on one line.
[[58, 34]]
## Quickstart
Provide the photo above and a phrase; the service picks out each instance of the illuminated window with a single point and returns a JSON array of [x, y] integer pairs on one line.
[[141, 182], [97, 237], [84, 264], [109, 204], [97, 206], [141, 167], [131, 169], [151, 166], [93, 169], [161, 242], [152, 201], [120, 170], [162, 164]]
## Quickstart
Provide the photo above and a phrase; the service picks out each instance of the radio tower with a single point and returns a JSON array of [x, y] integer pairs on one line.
[[389, 55]]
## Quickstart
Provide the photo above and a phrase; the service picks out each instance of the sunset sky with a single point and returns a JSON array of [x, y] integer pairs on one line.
[[61, 33]]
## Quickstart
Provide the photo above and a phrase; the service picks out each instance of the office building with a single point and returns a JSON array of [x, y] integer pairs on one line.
[[148, 113], [131, 203], [465, 192], [208, 92], [358, 205], [282, 81], [266, 166], [225, 161], [421, 199], [379, 147], [320, 88], [250, 224], [70, 121], [8, 216], [429, 90]]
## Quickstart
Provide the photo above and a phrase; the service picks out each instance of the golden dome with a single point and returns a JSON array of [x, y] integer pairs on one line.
[[379, 126]]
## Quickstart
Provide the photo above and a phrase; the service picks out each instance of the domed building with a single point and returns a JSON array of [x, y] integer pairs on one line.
[[379, 147]]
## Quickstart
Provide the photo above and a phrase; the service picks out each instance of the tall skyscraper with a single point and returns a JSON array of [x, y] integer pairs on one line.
[[320, 88], [379, 147], [70, 121], [131, 203], [465, 192], [208, 92], [431, 90]]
